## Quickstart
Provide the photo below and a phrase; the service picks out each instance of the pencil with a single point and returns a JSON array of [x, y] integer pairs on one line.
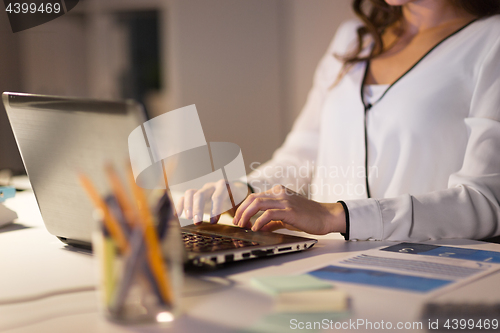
[[134, 235], [108, 266], [152, 244], [117, 212], [109, 220]]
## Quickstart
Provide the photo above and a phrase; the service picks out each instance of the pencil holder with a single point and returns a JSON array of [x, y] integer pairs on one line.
[[140, 264]]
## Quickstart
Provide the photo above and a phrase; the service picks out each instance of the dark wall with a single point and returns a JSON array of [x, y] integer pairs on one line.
[[10, 80]]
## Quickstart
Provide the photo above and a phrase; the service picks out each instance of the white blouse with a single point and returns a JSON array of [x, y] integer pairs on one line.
[[373, 92], [433, 142]]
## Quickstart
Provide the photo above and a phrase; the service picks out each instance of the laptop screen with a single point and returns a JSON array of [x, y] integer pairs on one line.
[[59, 137]]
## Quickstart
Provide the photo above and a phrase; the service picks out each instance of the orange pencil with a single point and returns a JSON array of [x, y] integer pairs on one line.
[[109, 220], [152, 244]]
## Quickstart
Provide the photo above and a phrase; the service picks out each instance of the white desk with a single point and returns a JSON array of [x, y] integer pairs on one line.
[[34, 262]]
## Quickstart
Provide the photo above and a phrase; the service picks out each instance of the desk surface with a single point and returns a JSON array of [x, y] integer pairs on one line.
[[34, 262]]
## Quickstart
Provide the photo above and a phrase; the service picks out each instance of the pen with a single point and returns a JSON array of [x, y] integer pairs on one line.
[[152, 244], [119, 192], [130, 270], [164, 214], [136, 252]]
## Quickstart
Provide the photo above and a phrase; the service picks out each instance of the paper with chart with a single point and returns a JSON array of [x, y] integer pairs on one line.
[[413, 267]]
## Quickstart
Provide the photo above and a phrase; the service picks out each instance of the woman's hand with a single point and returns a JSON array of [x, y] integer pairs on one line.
[[212, 198], [284, 208]]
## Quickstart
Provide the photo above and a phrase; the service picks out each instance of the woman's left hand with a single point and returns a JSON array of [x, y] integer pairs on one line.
[[284, 208]]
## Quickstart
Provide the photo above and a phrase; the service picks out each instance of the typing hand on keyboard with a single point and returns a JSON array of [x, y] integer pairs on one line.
[[214, 198]]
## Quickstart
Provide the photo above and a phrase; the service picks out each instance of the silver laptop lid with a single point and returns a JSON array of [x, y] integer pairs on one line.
[[59, 137]]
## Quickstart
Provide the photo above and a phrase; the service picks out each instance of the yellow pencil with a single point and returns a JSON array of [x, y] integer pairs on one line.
[[108, 267], [152, 244]]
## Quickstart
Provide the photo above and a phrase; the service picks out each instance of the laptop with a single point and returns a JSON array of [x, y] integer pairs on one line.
[[60, 136]]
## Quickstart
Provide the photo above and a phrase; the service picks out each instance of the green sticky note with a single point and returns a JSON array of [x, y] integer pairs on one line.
[[281, 284]]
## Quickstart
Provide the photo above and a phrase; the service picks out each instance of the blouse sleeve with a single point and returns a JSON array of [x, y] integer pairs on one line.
[[291, 164], [469, 207]]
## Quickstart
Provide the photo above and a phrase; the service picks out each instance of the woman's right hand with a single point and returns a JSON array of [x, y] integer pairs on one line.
[[212, 198]]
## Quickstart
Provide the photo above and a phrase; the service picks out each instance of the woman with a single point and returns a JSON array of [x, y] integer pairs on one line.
[[400, 135]]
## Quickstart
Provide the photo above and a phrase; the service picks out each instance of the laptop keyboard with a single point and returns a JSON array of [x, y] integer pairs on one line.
[[210, 243]]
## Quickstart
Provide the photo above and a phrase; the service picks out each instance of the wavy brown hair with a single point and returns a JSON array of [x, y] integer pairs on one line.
[[377, 15]]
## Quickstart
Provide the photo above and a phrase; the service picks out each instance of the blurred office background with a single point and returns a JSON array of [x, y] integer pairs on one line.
[[246, 64]]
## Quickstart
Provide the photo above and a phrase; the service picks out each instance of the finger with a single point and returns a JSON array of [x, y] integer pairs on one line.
[[217, 201], [247, 202], [188, 203], [268, 216], [261, 203], [244, 205], [199, 199]]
